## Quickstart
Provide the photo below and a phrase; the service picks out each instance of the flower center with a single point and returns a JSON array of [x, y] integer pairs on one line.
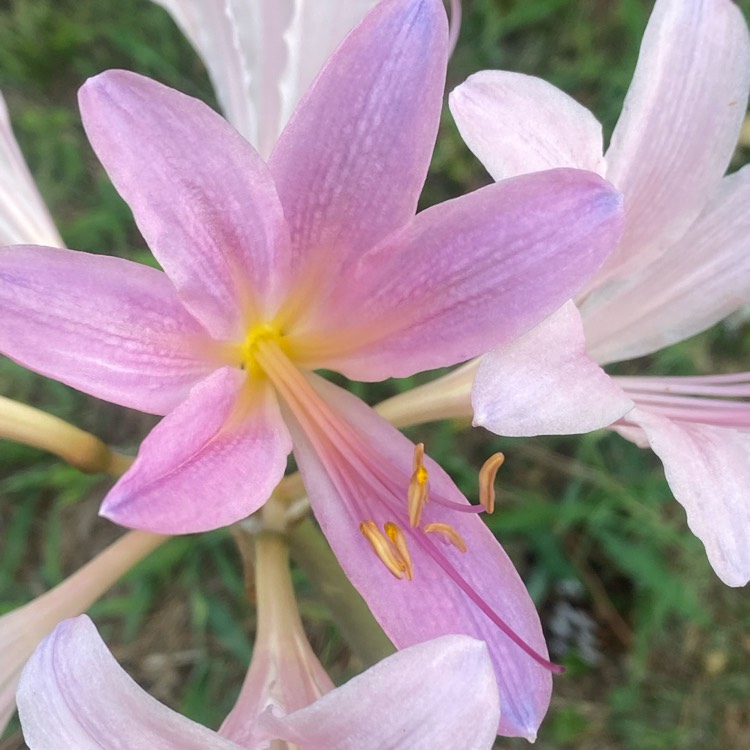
[[262, 333]]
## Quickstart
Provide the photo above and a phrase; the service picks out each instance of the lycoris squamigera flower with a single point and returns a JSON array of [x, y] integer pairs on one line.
[[682, 265], [314, 261]]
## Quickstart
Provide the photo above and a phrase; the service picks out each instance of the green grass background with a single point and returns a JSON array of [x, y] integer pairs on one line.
[[673, 642]]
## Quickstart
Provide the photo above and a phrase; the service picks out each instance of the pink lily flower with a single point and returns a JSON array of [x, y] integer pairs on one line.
[[22, 630], [314, 261], [442, 693], [681, 266]]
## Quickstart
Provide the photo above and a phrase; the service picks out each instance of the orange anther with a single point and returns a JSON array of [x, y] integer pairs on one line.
[[382, 549], [487, 475], [398, 540]]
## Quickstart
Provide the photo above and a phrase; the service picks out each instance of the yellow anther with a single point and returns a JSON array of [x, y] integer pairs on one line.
[[382, 549], [419, 488], [450, 534], [398, 540], [487, 475]]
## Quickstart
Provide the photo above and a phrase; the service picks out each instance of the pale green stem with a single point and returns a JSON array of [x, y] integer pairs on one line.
[[31, 426]]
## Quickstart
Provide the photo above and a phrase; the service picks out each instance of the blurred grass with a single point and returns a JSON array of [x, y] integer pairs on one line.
[[673, 645]]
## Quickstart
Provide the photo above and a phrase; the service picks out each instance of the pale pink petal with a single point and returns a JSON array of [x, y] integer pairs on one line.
[[438, 694], [73, 695], [351, 163], [344, 492], [470, 274], [212, 461], [544, 383], [24, 218], [107, 326], [708, 470], [202, 197], [680, 123], [516, 124], [697, 282]]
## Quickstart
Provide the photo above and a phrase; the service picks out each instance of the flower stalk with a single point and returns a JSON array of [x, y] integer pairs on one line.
[[22, 629], [86, 452]]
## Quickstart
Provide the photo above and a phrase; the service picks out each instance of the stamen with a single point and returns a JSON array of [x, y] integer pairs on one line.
[[450, 534], [331, 435], [382, 549], [398, 540], [487, 475], [419, 488], [418, 455]]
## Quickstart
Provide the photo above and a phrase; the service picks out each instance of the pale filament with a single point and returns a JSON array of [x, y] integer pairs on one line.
[[449, 533]]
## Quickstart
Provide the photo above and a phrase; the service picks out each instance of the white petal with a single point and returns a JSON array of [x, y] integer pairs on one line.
[[209, 28], [699, 280], [73, 695], [516, 124], [317, 28], [680, 123], [24, 218], [262, 56], [545, 384], [708, 470], [22, 629]]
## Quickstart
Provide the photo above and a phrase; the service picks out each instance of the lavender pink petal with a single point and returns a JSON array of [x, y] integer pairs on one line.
[[201, 196], [343, 493], [107, 326], [469, 275], [214, 460], [351, 163]]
